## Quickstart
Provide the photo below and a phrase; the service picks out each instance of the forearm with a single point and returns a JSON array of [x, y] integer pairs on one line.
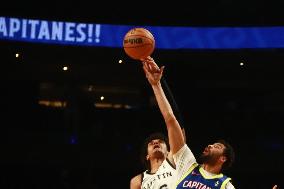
[[176, 139], [163, 102], [172, 102]]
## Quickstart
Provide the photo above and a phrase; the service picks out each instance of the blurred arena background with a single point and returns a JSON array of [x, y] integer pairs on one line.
[[82, 127]]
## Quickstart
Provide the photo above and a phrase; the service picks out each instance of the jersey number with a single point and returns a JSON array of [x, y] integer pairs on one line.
[[164, 186]]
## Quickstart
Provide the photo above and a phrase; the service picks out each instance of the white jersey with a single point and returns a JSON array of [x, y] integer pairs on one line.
[[184, 160], [164, 178]]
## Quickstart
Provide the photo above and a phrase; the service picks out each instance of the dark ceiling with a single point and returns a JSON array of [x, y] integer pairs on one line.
[[191, 13]]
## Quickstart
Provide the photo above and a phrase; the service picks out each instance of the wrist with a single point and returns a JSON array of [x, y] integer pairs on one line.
[[157, 85]]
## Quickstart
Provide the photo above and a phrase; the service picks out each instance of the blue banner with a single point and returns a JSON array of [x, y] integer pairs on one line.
[[104, 35]]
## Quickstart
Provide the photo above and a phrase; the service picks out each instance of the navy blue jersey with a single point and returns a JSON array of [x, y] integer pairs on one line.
[[196, 178]]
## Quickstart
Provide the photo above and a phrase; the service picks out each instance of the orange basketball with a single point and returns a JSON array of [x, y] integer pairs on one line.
[[138, 43]]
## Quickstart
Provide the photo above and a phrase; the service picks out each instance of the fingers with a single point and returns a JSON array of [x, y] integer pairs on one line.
[[162, 70], [147, 58], [146, 69], [151, 63], [149, 68]]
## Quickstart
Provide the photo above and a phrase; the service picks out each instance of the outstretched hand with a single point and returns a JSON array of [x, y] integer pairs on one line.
[[152, 71]]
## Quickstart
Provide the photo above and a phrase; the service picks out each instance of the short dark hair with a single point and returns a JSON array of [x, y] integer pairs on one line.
[[144, 149], [228, 153]]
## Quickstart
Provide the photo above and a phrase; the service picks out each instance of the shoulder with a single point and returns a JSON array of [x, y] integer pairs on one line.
[[135, 182], [181, 150], [184, 152], [170, 160], [229, 185]]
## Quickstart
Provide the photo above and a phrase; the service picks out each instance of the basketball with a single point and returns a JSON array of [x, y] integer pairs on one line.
[[138, 43]]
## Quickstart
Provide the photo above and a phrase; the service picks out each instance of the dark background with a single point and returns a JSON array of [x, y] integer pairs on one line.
[[84, 146]]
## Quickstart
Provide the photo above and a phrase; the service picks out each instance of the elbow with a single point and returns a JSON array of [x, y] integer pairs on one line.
[[170, 118]]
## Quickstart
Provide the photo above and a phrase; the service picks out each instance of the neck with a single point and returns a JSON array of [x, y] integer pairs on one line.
[[215, 169], [155, 164]]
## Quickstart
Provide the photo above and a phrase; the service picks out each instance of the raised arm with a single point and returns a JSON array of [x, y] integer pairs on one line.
[[154, 74], [174, 105]]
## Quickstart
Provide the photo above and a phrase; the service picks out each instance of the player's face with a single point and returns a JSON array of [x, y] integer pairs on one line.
[[157, 148], [212, 153], [216, 148]]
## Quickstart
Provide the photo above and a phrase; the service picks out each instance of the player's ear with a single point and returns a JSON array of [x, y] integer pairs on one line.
[[223, 159], [147, 157]]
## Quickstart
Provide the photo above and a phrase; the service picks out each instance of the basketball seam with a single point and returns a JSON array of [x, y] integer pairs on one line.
[[142, 36], [145, 44], [153, 41]]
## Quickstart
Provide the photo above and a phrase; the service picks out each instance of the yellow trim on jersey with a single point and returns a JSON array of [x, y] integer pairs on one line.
[[225, 183], [187, 173], [201, 170]]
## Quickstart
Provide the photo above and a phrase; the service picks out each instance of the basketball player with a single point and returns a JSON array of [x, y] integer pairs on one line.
[[215, 157], [159, 169], [158, 162]]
